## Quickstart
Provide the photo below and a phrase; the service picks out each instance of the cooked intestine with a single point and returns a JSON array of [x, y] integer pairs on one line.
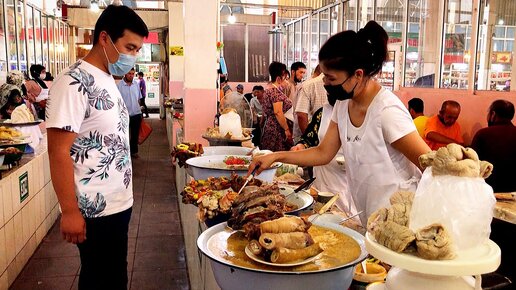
[[294, 240], [284, 255], [434, 243], [285, 224], [255, 247], [394, 236]]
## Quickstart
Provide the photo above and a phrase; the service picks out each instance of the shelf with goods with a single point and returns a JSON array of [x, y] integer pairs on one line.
[[499, 79], [456, 77], [410, 77], [386, 79]]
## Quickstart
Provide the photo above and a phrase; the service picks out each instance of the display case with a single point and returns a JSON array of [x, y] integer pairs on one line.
[[386, 75], [456, 77]]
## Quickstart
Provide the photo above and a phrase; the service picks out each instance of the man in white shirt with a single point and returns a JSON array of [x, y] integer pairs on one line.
[[88, 147], [311, 98], [131, 93], [297, 74]]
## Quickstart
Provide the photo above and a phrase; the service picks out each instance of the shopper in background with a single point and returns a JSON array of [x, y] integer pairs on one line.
[[18, 79], [38, 73], [443, 129], [312, 97], [497, 144], [38, 89], [297, 74], [277, 132], [143, 91], [294, 81], [88, 148], [256, 108], [132, 96], [372, 126], [10, 98], [240, 89], [416, 108]]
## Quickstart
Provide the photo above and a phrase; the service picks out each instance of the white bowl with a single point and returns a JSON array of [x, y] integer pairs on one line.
[[205, 166], [301, 199], [232, 277], [225, 150]]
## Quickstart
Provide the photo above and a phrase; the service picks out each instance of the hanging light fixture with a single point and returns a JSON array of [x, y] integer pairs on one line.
[[94, 6], [231, 18]]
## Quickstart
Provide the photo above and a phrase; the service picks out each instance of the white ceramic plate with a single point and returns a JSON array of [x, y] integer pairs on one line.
[[261, 260], [225, 150], [213, 166], [302, 199]]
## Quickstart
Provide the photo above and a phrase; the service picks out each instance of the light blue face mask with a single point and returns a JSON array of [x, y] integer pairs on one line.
[[124, 63]]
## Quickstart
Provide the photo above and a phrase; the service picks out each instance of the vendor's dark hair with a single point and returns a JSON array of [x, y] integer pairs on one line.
[[258, 88], [35, 70], [349, 50], [14, 93], [115, 20], [503, 109], [277, 69]]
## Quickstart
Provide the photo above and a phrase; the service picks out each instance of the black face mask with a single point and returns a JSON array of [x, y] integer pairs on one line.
[[337, 92]]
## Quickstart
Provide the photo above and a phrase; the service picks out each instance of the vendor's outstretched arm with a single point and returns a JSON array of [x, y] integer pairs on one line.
[[315, 156], [412, 146]]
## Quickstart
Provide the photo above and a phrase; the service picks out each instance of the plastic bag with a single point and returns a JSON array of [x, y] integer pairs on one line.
[[145, 131], [464, 205]]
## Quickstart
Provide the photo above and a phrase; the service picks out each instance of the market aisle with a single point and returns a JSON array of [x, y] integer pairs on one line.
[[156, 258]]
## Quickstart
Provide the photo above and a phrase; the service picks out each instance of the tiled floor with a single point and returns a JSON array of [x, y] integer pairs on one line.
[[156, 248]]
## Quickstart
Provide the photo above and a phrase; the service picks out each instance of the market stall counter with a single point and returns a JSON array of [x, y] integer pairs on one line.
[[28, 209]]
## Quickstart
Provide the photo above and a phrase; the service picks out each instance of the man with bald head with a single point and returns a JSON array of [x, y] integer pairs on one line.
[[443, 128]]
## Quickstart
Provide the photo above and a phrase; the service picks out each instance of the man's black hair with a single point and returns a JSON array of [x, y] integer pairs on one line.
[[503, 109], [115, 20], [140, 74], [297, 65], [417, 105], [257, 88]]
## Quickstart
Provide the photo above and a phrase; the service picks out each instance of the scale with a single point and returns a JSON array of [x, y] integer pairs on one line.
[[410, 272]]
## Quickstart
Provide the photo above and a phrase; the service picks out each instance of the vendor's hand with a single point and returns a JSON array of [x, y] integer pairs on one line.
[[263, 161], [298, 147], [73, 227]]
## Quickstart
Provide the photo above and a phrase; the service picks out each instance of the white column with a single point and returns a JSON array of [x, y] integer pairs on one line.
[[200, 67]]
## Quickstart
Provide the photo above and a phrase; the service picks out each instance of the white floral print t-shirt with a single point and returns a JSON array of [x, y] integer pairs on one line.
[[85, 100]]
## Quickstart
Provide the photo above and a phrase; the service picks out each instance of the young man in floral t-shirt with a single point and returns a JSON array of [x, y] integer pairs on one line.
[[88, 146]]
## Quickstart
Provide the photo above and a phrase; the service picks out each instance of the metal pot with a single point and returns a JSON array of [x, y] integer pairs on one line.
[[231, 277]]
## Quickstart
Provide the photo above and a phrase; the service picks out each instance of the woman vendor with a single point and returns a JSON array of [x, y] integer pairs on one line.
[[372, 126], [332, 176]]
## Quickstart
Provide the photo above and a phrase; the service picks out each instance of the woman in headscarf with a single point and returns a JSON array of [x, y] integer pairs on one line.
[[37, 89], [10, 98]]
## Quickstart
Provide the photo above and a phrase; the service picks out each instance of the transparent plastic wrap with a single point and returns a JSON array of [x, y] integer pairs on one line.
[[463, 205]]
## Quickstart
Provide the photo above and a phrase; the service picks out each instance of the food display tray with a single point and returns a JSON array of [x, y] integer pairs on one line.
[[5, 123], [479, 260]]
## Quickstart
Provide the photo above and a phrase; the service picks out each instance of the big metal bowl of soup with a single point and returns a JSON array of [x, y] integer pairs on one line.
[[342, 247]]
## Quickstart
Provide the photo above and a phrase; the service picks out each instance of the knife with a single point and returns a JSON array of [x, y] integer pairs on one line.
[[304, 185], [325, 207], [248, 179]]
